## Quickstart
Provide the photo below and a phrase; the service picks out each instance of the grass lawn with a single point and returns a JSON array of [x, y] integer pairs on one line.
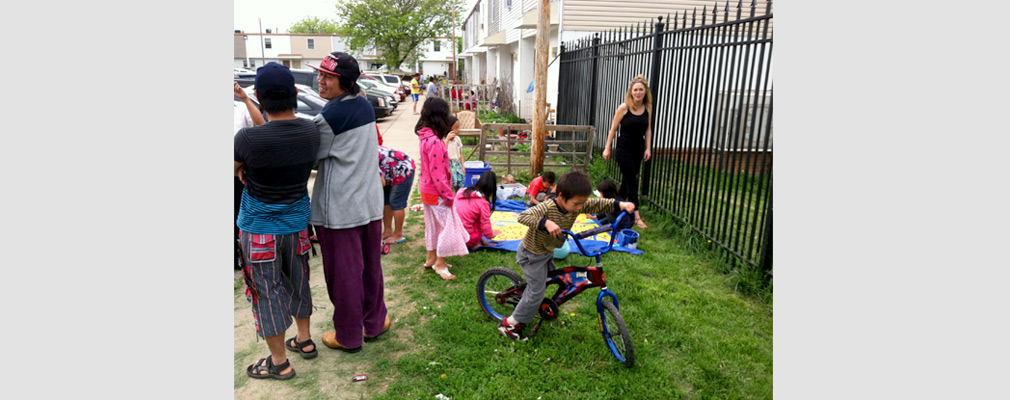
[[696, 335]]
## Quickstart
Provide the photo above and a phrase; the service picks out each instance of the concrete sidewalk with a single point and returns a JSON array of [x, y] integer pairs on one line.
[[397, 132]]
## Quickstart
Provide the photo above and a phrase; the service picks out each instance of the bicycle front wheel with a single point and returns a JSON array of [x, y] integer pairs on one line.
[[491, 288], [615, 334]]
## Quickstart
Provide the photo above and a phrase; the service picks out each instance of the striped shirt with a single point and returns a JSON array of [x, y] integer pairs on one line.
[[278, 219], [538, 240], [278, 159]]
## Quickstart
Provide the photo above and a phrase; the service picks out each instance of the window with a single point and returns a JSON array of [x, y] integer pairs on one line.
[[311, 43], [508, 4], [438, 46], [266, 42], [302, 107]]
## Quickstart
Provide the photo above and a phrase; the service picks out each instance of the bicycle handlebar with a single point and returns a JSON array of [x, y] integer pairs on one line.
[[596, 231]]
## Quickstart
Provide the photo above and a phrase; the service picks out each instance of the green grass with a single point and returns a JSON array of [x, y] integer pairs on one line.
[[701, 330], [695, 336]]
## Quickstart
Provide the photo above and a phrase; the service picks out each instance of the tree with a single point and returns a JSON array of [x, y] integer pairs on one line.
[[314, 25], [395, 28]]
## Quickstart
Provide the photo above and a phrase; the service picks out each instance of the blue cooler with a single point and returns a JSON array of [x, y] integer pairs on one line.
[[473, 174]]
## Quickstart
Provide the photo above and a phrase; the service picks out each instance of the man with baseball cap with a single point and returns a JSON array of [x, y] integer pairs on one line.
[[347, 206], [274, 162]]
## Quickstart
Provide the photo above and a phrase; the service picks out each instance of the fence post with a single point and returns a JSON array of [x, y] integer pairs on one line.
[[657, 45], [596, 80], [766, 247]]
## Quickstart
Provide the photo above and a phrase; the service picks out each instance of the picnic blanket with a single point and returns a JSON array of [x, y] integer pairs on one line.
[[511, 232]]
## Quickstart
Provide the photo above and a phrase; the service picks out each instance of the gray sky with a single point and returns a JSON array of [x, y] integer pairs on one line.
[[280, 14]]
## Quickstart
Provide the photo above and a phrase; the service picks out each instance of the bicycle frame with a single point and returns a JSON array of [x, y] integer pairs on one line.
[[574, 280], [570, 282]]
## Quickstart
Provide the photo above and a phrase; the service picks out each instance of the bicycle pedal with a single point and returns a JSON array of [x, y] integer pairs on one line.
[[548, 310]]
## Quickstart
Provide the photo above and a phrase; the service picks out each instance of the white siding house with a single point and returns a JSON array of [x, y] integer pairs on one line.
[[499, 38]]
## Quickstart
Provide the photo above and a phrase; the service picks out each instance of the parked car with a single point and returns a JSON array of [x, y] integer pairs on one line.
[[394, 90], [310, 103], [245, 82], [306, 77], [307, 103], [244, 73], [370, 85], [395, 82], [380, 105]]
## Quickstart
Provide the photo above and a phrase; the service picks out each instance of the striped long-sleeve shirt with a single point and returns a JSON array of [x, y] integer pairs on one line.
[[538, 240]]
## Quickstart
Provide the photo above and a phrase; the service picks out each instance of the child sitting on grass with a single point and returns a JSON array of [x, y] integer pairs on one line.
[[608, 189], [536, 253], [540, 188], [474, 206]]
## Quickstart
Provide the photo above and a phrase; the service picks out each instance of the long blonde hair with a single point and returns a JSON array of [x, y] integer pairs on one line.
[[646, 101]]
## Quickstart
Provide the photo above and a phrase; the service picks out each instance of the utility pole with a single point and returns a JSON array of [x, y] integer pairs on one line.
[[540, 89], [263, 52], [452, 76]]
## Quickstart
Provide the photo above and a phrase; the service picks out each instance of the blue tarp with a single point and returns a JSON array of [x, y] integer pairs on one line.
[[589, 243]]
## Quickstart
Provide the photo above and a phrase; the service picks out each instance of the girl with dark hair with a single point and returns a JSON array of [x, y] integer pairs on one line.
[[474, 206], [444, 234]]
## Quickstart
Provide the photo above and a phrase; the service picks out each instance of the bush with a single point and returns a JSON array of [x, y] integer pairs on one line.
[[491, 117]]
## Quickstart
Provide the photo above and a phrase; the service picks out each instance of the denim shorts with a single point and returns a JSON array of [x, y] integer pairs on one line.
[[396, 196], [414, 95]]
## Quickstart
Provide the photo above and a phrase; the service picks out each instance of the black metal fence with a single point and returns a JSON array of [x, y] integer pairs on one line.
[[710, 74]]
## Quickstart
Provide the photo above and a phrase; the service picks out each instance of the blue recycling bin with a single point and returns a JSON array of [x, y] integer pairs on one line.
[[473, 175]]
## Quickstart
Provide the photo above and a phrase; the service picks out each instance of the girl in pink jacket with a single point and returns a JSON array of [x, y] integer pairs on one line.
[[474, 206], [444, 234]]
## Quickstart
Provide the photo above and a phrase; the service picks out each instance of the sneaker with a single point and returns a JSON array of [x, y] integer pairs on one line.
[[514, 332]]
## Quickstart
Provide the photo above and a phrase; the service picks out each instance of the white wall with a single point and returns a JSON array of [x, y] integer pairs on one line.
[[445, 50], [491, 73], [508, 19], [481, 68], [435, 68], [337, 44], [278, 45], [526, 71]]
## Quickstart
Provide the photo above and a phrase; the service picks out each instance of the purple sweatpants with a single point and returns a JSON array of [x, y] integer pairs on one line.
[[353, 271]]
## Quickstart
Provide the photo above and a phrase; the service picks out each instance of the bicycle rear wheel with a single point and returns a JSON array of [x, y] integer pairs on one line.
[[494, 281], [615, 334]]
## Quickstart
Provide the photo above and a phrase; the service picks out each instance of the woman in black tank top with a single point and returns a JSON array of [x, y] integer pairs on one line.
[[635, 142]]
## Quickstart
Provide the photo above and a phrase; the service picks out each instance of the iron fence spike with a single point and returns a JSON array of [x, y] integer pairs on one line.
[[753, 5]]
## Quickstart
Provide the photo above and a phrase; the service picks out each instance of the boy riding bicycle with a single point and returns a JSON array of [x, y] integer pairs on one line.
[[536, 254]]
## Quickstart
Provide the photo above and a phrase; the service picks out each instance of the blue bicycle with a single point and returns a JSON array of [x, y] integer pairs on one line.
[[499, 290]]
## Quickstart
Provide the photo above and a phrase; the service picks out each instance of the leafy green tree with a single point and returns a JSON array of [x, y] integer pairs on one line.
[[314, 25], [396, 28]]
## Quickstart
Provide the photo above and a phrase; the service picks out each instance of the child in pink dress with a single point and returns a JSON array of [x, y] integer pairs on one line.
[[444, 235]]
